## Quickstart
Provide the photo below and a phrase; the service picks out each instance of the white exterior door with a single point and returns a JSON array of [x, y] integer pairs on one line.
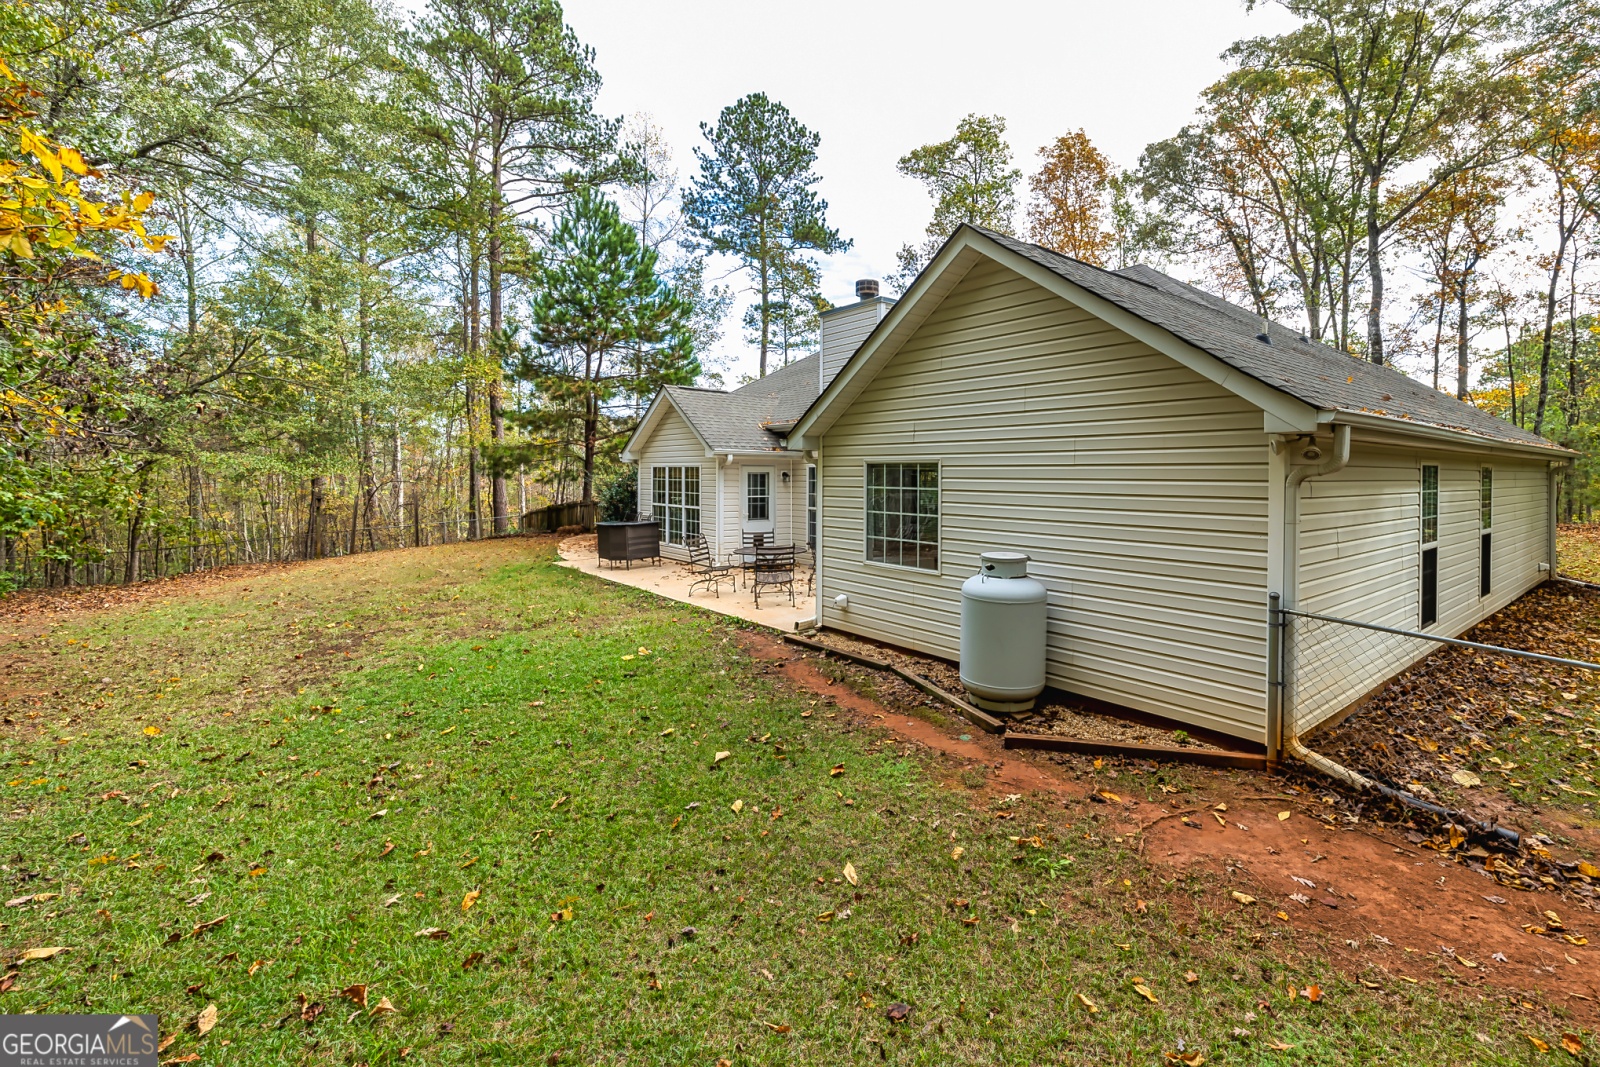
[[760, 502]]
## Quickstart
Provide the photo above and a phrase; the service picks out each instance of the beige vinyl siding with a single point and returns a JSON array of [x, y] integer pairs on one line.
[[674, 444], [1360, 559], [1138, 487], [788, 500]]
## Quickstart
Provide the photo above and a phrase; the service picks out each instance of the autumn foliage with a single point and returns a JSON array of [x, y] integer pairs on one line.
[[1072, 199]]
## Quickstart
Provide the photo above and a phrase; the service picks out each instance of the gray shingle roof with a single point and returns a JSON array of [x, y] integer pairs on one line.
[[737, 420], [1310, 372]]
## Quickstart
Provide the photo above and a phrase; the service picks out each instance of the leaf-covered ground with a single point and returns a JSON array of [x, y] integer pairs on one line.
[[486, 791]]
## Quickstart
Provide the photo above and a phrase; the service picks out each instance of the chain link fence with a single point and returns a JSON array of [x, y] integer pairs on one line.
[[1325, 666]]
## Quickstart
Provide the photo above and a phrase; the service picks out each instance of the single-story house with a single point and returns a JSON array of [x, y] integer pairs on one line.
[[714, 463], [1167, 460]]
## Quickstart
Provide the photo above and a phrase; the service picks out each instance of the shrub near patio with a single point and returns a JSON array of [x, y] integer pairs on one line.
[[501, 829]]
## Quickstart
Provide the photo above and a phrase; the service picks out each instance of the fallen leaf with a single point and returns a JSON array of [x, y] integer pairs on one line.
[[383, 1007], [1145, 992], [1190, 977], [1536, 1043], [152, 731], [432, 933], [957, 852], [1188, 1059], [44, 953], [719, 757], [778, 1028], [897, 1012], [1571, 1043], [850, 875], [738, 806], [380, 813], [1243, 898], [469, 900], [836, 770], [1312, 993], [356, 993], [1279, 1046], [1087, 1003], [1109, 797], [1282, 815], [1466, 778], [472, 960], [206, 1019], [256, 966]]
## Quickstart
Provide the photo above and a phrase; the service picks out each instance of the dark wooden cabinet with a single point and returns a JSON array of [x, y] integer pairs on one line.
[[624, 542]]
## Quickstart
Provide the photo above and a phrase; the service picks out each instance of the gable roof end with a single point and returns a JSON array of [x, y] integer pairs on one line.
[[1298, 383]]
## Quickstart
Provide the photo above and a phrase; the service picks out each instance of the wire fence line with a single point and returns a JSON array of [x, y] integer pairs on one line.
[[1324, 666], [27, 567]]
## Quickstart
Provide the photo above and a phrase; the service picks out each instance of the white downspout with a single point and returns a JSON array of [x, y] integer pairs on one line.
[[1291, 581]]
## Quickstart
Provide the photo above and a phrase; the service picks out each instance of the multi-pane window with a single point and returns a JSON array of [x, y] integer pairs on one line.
[[903, 514], [1430, 546], [758, 496], [1430, 505], [675, 502], [1486, 524], [811, 506]]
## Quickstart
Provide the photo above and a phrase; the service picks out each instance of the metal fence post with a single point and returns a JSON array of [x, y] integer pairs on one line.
[[1277, 676]]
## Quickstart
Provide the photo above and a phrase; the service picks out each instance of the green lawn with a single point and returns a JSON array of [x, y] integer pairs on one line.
[[284, 780]]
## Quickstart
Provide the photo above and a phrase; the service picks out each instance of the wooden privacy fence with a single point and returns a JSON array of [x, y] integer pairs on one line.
[[556, 516]]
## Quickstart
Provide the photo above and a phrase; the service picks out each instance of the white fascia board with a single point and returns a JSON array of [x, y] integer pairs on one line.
[[1381, 429], [647, 426]]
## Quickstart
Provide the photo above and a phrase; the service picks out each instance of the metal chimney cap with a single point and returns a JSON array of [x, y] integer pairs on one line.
[[866, 288]]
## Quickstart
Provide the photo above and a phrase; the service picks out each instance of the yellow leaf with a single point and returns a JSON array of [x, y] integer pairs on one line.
[[957, 852], [850, 875], [21, 247], [152, 731], [142, 202], [1144, 991], [1110, 797], [1243, 898], [719, 757], [72, 159], [1537, 1044], [469, 900], [1087, 1003], [1283, 815], [1589, 870], [44, 953], [1571, 1043], [383, 1007], [206, 1019], [738, 806]]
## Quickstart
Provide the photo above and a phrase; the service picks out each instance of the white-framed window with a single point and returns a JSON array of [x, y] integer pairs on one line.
[[758, 496], [675, 502], [1485, 529], [902, 505], [811, 506], [1429, 532]]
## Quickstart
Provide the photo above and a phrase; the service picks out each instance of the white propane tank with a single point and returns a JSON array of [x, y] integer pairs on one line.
[[1002, 634]]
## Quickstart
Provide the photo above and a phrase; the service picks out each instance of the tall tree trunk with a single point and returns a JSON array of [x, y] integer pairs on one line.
[[130, 570], [474, 323], [1374, 274], [368, 488], [319, 483], [1461, 330], [591, 423], [497, 422], [1565, 234]]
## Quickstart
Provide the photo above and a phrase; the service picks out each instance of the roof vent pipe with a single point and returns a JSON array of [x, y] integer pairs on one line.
[[866, 288]]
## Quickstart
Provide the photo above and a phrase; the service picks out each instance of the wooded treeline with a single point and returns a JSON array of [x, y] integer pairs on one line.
[[290, 277]]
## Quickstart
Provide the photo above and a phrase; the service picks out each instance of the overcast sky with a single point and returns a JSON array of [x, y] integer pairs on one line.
[[878, 79]]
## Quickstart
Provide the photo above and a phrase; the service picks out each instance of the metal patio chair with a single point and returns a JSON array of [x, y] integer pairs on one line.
[[708, 573], [774, 569]]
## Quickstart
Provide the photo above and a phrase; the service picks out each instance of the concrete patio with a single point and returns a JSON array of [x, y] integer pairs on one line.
[[671, 579]]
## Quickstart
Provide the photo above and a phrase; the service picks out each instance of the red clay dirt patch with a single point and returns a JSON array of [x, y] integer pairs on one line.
[[1410, 913]]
